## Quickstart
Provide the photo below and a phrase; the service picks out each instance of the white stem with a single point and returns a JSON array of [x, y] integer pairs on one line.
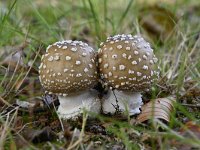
[[124, 101], [72, 106]]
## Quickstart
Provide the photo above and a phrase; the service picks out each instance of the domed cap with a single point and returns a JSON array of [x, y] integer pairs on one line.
[[68, 67], [127, 63]]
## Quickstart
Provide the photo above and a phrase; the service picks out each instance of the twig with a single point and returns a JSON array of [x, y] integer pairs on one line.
[[191, 105]]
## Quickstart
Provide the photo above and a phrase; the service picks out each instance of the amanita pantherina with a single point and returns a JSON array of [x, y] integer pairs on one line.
[[68, 69], [127, 66]]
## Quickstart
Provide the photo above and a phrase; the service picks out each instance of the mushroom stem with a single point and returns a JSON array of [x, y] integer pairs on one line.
[[122, 101], [72, 105]]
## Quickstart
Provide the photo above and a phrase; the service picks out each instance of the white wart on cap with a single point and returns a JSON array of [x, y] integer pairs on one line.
[[68, 69], [127, 64]]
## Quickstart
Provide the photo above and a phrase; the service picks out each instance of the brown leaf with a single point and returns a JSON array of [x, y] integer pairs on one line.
[[150, 2], [145, 137], [37, 136], [157, 21], [192, 127], [14, 60], [157, 109], [190, 130]]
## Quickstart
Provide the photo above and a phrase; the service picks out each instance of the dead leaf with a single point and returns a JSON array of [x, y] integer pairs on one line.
[[14, 59], [145, 137], [156, 109], [38, 136], [190, 130], [191, 127], [24, 104], [157, 21], [150, 2]]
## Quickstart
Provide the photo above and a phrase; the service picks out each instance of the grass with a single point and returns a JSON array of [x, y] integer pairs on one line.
[[40, 23]]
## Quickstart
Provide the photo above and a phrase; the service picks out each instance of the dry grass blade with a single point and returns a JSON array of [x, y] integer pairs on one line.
[[157, 109], [6, 126], [79, 141]]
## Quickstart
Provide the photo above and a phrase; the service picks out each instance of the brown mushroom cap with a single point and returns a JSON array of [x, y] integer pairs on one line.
[[68, 67], [127, 63]]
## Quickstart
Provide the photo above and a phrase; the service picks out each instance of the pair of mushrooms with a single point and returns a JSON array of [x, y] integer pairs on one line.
[[126, 66]]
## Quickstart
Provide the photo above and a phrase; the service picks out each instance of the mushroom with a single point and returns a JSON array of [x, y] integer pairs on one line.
[[127, 65], [68, 69]]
